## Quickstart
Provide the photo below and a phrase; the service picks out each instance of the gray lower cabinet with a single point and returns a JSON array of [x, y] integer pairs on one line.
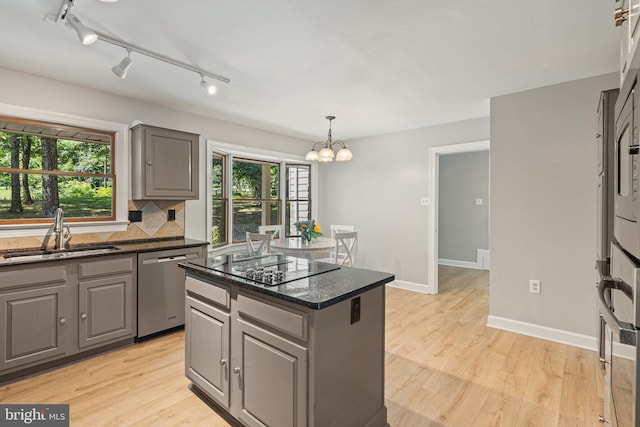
[[271, 376], [105, 300], [255, 369], [61, 308], [271, 362], [37, 325], [207, 349], [37, 317]]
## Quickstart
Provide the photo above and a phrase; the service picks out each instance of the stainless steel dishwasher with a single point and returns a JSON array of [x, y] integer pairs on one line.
[[161, 288]]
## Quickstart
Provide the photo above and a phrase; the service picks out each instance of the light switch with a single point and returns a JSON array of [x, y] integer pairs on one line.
[[478, 202], [424, 201]]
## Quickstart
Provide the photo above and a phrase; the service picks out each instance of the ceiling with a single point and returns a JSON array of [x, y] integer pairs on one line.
[[379, 66]]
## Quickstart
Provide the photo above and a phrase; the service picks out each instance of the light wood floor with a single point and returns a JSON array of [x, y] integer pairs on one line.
[[444, 367]]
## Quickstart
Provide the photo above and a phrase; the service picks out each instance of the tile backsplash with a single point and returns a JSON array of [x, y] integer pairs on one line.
[[154, 225]]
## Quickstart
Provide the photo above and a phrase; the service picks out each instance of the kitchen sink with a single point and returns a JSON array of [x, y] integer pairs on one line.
[[59, 254]]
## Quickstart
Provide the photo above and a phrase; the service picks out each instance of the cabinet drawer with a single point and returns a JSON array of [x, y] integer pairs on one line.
[[32, 275], [105, 267], [283, 319], [213, 293]]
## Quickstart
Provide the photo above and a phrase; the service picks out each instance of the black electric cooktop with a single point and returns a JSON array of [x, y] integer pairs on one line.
[[268, 269]]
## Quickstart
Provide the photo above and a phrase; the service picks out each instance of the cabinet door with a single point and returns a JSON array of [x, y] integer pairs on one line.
[[271, 377], [207, 349], [106, 309], [36, 325], [171, 159]]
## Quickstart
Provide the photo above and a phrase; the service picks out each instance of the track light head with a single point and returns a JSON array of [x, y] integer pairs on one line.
[[210, 88], [121, 69], [85, 35]]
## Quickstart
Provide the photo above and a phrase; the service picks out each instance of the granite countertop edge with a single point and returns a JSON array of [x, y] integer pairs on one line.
[[273, 291], [123, 247]]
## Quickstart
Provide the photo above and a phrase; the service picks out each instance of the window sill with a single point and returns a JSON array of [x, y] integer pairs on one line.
[[27, 230], [227, 249]]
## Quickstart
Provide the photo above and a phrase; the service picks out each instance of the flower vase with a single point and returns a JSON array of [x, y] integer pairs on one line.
[[306, 239]]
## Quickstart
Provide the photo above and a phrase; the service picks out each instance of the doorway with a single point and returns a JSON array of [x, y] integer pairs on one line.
[[433, 222]]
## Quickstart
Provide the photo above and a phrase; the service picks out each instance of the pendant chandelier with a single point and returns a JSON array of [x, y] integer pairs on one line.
[[326, 154]]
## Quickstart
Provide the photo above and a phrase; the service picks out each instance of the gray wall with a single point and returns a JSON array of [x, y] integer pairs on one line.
[[463, 226], [27, 90], [543, 204], [379, 192]]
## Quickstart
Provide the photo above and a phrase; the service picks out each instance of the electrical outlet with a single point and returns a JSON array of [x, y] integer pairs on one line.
[[534, 286], [135, 216], [424, 201]]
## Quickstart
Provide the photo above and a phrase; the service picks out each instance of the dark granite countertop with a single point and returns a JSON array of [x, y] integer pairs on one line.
[[122, 247], [315, 292]]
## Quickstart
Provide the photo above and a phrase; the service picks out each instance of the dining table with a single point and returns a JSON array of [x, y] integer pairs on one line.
[[294, 246]]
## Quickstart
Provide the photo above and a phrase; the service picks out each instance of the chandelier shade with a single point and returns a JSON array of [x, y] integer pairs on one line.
[[326, 153]]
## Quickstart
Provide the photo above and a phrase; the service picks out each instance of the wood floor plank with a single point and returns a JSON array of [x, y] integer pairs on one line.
[[443, 367]]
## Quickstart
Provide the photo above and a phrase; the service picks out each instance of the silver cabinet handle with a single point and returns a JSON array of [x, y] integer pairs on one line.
[[149, 162], [236, 370], [62, 320], [223, 362], [83, 316]]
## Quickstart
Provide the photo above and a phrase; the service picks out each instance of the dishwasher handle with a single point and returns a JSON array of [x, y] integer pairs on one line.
[[169, 258], [623, 331]]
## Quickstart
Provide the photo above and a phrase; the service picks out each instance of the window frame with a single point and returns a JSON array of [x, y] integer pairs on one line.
[[224, 198], [120, 168], [232, 151], [61, 173], [277, 200], [287, 199]]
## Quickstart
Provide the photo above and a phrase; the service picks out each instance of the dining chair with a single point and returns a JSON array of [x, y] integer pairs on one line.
[[257, 242], [344, 252], [340, 229], [277, 231]]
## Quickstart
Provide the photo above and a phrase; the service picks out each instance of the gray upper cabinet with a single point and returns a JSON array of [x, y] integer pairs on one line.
[[164, 164]]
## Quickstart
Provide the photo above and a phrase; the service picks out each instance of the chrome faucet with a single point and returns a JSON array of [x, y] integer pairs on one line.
[[62, 232]]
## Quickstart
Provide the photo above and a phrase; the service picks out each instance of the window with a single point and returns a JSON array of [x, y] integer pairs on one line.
[[247, 189], [256, 188], [44, 166], [298, 203], [218, 200]]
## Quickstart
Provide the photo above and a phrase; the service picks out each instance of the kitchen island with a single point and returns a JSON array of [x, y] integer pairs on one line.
[[306, 349]]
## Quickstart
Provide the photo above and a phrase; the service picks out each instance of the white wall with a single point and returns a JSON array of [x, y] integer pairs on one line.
[[379, 192], [27, 90], [543, 204], [463, 226]]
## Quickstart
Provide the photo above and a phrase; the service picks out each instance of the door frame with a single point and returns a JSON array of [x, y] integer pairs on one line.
[[432, 222]]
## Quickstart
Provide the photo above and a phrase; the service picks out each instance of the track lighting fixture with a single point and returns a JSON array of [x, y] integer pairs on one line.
[[121, 69], [210, 88], [88, 36], [85, 35]]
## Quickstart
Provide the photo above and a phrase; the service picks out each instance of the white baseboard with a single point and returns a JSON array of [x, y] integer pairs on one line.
[[411, 286], [623, 350], [456, 263], [483, 259], [546, 333], [557, 335]]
